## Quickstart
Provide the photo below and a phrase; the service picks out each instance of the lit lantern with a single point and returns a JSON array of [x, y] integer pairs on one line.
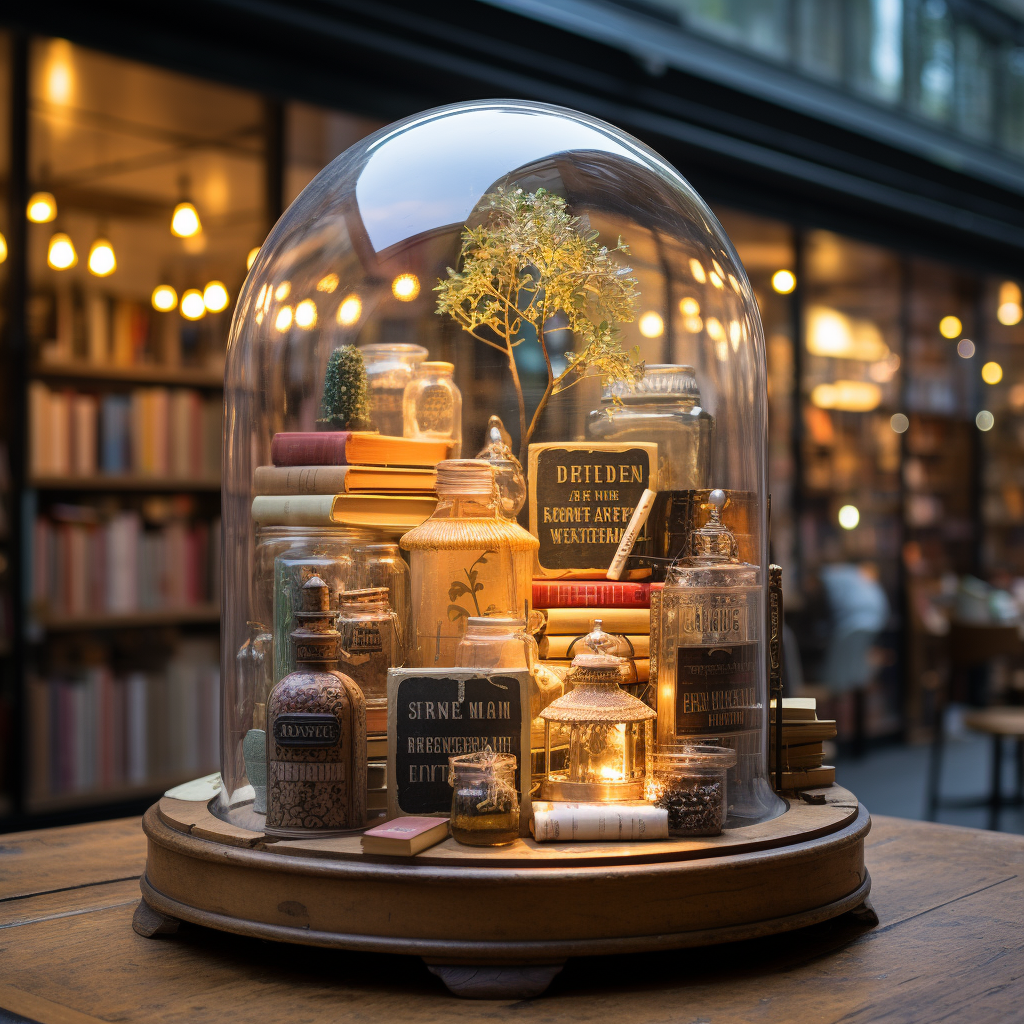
[[611, 735]]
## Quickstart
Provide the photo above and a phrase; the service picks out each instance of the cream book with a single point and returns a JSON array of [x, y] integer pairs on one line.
[[797, 709], [558, 646], [341, 479], [388, 512], [574, 621], [405, 837], [810, 778]]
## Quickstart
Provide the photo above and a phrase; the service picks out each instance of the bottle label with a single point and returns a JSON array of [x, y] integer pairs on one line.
[[716, 690], [307, 729], [716, 618]]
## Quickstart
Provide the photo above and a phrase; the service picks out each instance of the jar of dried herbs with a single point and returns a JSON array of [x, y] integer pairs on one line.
[[485, 799], [689, 781]]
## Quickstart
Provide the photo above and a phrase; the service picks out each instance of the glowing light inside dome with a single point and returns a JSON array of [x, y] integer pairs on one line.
[[651, 325], [689, 307], [405, 287], [283, 290], [699, 274], [284, 319], [305, 314]]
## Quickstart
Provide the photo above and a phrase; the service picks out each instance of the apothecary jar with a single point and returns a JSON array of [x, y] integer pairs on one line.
[[388, 250]]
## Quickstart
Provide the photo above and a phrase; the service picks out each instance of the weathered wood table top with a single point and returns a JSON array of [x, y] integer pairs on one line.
[[949, 946]]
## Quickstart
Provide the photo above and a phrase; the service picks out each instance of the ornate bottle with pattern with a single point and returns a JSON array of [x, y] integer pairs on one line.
[[316, 731]]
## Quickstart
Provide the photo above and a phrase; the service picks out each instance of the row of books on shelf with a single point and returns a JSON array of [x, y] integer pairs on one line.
[[102, 330], [97, 730], [149, 431], [82, 564]]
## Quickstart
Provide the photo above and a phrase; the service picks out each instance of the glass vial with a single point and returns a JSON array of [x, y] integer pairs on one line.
[[432, 405], [370, 644], [466, 560], [316, 732]]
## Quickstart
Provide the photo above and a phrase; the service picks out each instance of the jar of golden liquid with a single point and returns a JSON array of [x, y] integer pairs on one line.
[[467, 560], [485, 800]]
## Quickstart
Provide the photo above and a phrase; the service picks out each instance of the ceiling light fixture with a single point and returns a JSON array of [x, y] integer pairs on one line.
[[102, 261], [42, 208], [60, 254]]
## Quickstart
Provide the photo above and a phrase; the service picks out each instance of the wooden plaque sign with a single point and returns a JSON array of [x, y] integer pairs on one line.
[[437, 713], [582, 496]]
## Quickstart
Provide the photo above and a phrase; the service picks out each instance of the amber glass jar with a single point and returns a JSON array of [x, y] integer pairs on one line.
[[466, 560]]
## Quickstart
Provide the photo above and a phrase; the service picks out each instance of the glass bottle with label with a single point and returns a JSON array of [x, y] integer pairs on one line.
[[316, 732], [466, 560], [370, 644], [389, 369], [711, 673], [432, 405]]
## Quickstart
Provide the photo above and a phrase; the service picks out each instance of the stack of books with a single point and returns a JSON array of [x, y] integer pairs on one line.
[[802, 737], [348, 478], [570, 607]]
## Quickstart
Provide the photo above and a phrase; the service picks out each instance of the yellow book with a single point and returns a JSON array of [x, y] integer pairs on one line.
[[574, 621], [388, 512]]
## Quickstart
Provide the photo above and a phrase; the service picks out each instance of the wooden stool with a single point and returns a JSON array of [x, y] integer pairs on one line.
[[1000, 723]]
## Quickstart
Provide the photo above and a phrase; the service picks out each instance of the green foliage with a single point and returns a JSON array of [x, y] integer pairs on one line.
[[346, 400], [527, 261], [459, 589]]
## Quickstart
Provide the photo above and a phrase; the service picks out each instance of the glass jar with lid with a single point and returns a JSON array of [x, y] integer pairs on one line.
[[466, 560], [389, 370], [690, 782], [664, 407], [380, 564], [485, 798], [432, 405], [495, 643]]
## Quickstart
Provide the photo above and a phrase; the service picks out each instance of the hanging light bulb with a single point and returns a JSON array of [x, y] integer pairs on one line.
[[102, 261], [185, 221], [215, 297], [192, 305], [165, 298], [3, 248], [42, 208], [61, 252], [251, 258]]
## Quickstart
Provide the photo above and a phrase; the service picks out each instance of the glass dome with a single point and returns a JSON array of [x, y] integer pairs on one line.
[[584, 293]]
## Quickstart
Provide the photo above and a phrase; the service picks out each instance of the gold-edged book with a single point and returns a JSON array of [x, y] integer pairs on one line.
[[388, 512], [574, 621]]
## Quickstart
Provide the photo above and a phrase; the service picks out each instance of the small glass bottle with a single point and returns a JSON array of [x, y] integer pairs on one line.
[[508, 470], [316, 732], [389, 369], [690, 782], [254, 663], [370, 644], [466, 560], [432, 405], [485, 800], [493, 643]]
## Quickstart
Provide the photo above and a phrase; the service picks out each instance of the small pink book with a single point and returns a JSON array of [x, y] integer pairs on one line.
[[405, 837]]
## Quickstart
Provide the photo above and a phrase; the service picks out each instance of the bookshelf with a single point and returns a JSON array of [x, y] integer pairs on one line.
[[109, 643]]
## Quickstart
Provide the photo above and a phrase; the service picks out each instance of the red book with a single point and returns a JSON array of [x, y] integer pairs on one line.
[[310, 448], [405, 837], [592, 594]]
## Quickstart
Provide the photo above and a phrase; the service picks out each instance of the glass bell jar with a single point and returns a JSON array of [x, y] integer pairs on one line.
[[589, 303]]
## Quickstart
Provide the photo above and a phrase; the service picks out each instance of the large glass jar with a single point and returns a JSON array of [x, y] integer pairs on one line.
[[389, 371], [485, 800], [432, 405], [467, 560], [665, 407], [711, 672]]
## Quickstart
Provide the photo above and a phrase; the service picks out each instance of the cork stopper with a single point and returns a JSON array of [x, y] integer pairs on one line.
[[314, 637], [713, 543]]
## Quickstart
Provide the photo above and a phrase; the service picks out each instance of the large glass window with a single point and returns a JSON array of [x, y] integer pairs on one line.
[[876, 48]]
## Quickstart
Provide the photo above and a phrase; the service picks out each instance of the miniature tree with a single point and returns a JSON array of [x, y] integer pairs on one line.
[[527, 261], [346, 400]]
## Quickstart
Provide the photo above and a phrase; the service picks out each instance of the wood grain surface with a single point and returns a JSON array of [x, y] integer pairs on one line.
[[949, 947]]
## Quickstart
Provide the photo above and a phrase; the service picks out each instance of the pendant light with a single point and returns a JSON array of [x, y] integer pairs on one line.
[[60, 254], [102, 261], [185, 220], [42, 208]]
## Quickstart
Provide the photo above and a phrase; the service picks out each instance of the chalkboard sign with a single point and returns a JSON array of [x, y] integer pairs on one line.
[[437, 713], [582, 496]]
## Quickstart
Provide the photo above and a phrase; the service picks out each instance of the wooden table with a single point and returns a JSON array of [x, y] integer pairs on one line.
[[949, 946]]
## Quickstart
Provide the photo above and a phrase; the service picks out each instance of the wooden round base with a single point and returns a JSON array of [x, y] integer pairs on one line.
[[497, 923]]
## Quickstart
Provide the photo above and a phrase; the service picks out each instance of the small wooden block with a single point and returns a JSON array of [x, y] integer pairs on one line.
[[489, 982], [149, 923]]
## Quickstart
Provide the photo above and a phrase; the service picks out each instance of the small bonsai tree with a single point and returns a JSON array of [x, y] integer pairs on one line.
[[527, 261], [346, 400]]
